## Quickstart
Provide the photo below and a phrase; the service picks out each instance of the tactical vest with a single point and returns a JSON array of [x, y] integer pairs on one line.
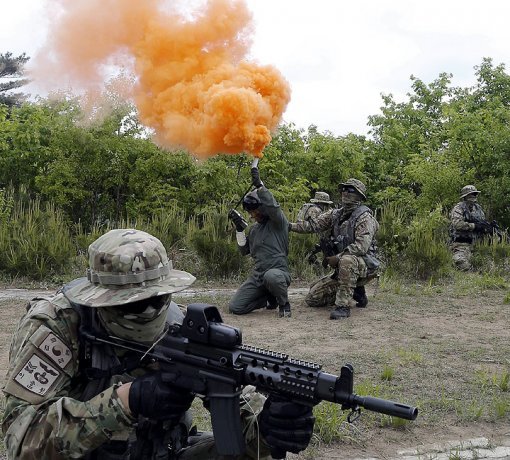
[[474, 215], [344, 231], [346, 228], [98, 363]]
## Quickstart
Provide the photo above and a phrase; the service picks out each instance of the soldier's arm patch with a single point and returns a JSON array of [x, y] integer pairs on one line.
[[44, 365], [37, 375], [57, 350]]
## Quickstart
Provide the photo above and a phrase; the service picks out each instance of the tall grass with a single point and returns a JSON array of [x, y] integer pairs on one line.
[[416, 245], [212, 237], [35, 240]]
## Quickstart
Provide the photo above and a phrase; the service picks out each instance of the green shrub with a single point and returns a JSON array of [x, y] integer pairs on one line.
[[213, 238], [414, 246], [35, 240], [492, 256], [392, 235]]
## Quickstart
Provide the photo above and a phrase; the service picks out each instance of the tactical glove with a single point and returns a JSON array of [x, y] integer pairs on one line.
[[286, 426], [239, 223], [255, 178], [153, 398]]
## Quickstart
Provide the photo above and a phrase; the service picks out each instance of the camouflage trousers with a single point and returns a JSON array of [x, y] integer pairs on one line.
[[203, 447], [337, 289], [462, 255]]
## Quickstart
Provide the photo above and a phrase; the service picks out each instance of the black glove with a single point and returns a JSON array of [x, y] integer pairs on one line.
[[286, 426], [239, 223], [155, 399], [255, 178]]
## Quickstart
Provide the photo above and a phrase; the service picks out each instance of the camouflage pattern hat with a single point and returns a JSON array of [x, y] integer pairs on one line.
[[321, 197], [357, 184], [468, 190], [127, 265]]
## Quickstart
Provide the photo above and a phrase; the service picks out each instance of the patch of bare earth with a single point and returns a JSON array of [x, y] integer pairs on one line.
[[446, 352]]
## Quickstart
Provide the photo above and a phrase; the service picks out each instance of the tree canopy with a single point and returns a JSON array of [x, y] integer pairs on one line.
[[418, 154]]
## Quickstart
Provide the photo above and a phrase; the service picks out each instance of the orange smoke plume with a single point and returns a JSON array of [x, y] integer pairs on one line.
[[194, 86]]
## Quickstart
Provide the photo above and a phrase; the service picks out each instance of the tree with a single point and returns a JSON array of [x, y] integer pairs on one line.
[[12, 67]]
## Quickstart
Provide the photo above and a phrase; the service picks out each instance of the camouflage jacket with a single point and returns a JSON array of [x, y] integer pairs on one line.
[[268, 242], [44, 417], [309, 213], [462, 219], [338, 223]]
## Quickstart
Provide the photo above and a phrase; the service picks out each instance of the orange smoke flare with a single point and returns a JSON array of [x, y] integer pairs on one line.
[[194, 86]]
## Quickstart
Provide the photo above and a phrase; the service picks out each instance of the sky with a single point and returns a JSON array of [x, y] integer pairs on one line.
[[340, 56]]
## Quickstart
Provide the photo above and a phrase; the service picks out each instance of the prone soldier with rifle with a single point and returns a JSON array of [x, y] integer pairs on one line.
[[109, 366]]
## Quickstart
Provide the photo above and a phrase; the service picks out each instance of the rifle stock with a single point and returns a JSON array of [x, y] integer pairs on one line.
[[208, 357]]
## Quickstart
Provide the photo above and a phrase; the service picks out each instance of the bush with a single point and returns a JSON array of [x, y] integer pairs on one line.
[[213, 238], [34, 239], [414, 246], [427, 254]]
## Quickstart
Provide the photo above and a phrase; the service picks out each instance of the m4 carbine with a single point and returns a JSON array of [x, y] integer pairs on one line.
[[329, 247], [208, 357], [490, 229]]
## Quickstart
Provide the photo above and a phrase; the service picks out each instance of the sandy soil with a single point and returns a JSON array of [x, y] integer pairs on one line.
[[448, 349]]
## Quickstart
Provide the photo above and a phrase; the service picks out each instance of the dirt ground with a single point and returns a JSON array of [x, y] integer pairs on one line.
[[444, 349]]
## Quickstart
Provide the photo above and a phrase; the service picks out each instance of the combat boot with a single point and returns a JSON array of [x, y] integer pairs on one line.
[[284, 311], [271, 302], [360, 296], [340, 312]]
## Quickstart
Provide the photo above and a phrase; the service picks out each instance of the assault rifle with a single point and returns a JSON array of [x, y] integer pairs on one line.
[[489, 228], [208, 357], [329, 247]]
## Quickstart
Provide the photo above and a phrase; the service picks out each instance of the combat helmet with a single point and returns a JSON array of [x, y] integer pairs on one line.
[[321, 197], [126, 265], [357, 184], [468, 190]]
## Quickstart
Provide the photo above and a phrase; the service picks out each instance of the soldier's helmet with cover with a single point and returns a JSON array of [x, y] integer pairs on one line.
[[130, 281], [357, 185], [468, 190], [251, 201]]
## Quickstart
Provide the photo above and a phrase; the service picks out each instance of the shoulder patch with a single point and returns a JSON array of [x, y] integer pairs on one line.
[[37, 375], [56, 350]]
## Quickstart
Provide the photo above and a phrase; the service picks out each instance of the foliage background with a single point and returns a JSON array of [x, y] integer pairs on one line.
[[65, 179]]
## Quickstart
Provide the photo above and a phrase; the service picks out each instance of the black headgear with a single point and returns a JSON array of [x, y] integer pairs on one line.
[[251, 201]]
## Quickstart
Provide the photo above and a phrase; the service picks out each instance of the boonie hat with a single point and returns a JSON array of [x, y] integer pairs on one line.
[[468, 190], [321, 197], [126, 265], [357, 184]]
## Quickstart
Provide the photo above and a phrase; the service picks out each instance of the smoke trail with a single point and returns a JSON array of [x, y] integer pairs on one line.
[[194, 86]]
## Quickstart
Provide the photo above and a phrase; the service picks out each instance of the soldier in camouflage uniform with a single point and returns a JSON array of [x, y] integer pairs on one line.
[[70, 397], [352, 230], [466, 226], [308, 213], [318, 204]]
